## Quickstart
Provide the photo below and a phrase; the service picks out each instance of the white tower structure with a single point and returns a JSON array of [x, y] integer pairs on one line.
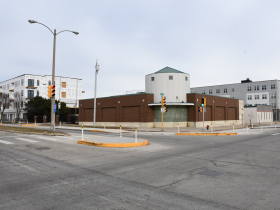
[[172, 83]]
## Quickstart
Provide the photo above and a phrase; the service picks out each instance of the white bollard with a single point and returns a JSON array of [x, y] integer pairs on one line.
[[275, 125], [120, 130], [247, 126], [212, 128], [35, 123], [178, 128], [135, 133], [27, 122], [252, 125], [261, 128], [233, 126], [60, 123], [82, 132]]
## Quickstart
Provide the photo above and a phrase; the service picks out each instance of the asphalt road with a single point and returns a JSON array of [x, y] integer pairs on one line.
[[172, 172]]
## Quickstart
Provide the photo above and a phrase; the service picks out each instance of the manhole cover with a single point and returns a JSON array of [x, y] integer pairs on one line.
[[210, 173], [42, 148]]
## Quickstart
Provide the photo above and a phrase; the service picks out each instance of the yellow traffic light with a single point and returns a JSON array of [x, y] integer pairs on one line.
[[50, 91], [163, 101], [165, 109], [204, 102], [53, 91]]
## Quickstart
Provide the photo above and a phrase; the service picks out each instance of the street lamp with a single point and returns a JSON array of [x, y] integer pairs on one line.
[[96, 72], [53, 68]]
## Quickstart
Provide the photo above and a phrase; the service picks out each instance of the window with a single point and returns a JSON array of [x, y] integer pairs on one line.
[[30, 94], [263, 87], [232, 90], [170, 77], [257, 97], [21, 103], [257, 87], [38, 82], [249, 88], [30, 82], [22, 83], [210, 91], [63, 94], [21, 93], [273, 105], [49, 82], [264, 96], [203, 92], [273, 95], [217, 90], [249, 97], [225, 90], [152, 79], [63, 84], [186, 78], [273, 86], [37, 92]]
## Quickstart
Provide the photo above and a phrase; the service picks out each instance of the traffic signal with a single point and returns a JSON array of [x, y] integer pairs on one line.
[[199, 109], [204, 102], [163, 101], [50, 91], [53, 90], [164, 109]]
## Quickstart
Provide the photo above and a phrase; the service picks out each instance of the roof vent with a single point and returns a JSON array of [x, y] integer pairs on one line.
[[246, 81]]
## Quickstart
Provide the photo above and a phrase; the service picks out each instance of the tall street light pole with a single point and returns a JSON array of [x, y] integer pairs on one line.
[[53, 69], [96, 72]]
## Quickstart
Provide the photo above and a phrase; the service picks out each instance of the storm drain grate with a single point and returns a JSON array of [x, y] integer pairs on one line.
[[42, 148], [210, 173]]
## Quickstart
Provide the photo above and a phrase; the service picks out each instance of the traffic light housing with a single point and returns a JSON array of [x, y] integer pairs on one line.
[[163, 101], [50, 91], [204, 102], [199, 109], [53, 90], [164, 109]]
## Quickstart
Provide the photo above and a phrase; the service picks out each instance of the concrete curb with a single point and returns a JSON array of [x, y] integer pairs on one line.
[[205, 134], [97, 144], [29, 125]]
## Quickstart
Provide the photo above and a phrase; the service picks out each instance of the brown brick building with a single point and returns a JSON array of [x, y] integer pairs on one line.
[[140, 110]]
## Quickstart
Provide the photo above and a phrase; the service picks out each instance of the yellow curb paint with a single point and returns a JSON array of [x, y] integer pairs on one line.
[[91, 143], [29, 125], [1, 123], [205, 134]]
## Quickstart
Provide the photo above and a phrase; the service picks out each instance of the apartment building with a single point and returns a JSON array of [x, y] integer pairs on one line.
[[68, 90], [253, 93]]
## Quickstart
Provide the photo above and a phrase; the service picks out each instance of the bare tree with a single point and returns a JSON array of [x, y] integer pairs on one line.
[[18, 104], [5, 102]]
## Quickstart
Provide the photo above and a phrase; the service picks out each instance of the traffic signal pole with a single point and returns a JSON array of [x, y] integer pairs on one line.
[[203, 118], [53, 83]]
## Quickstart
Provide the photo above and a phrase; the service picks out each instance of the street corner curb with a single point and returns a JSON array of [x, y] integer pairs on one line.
[[98, 131], [29, 125], [1, 123], [119, 145], [205, 134]]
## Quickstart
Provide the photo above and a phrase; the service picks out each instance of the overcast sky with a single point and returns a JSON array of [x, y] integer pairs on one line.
[[215, 41]]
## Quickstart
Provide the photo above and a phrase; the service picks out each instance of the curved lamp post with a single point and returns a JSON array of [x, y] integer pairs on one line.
[[53, 68]]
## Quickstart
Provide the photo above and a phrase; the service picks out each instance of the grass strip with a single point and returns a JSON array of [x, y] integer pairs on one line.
[[27, 130]]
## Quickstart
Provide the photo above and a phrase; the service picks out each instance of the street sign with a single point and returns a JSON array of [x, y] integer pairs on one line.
[[59, 106], [161, 110], [162, 94], [54, 107]]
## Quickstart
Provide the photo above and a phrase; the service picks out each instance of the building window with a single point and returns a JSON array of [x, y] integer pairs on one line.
[[263, 87], [186, 78], [22, 83], [273, 95], [249, 97], [273, 105], [257, 97], [210, 91], [273, 86], [203, 92], [37, 92], [217, 90], [152, 79], [38, 82], [30, 94], [225, 90], [49, 82], [264, 96], [257, 87], [170, 77], [21, 103], [232, 90], [30, 82], [63, 94], [21, 92], [249, 88]]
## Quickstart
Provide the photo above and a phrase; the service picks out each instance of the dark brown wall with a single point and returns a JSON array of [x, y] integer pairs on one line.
[[126, 108], [217, 108]]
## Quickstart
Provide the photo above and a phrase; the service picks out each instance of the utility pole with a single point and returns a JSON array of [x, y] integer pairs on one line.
[[96, 72]]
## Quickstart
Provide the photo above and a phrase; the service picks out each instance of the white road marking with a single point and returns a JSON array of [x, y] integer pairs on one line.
[[28, 140], [275, 134], [6, 142], [45, 138]]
